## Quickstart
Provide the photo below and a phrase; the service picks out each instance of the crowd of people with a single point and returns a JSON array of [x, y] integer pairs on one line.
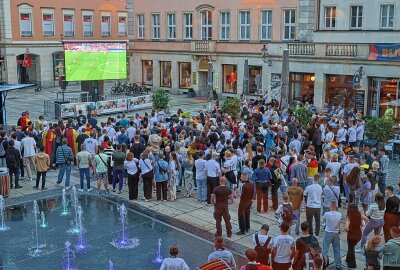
[[263, 155]]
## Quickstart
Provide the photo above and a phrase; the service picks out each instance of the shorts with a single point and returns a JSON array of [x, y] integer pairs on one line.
[[102, 176]]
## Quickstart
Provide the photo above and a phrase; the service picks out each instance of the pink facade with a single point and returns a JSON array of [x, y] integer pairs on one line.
[[77, 6], [216, 7]]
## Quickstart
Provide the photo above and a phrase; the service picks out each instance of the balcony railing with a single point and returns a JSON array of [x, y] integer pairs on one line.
[[341, 50], [203, 46], [301, 48]]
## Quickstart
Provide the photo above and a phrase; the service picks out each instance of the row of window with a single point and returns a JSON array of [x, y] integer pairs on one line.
[[206, 25], [356, 17], [68, 22]]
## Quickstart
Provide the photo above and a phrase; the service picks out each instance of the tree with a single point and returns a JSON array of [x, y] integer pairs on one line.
[[231, 106], [303, 114], [160, 99]]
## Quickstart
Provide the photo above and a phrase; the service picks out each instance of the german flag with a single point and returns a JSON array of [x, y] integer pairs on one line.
[[312, 168], [219, 264]]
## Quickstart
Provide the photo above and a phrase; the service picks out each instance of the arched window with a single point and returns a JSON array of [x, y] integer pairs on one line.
[[205, 25]]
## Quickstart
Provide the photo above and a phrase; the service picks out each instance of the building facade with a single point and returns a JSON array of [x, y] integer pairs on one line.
[[32, 31], [328, 42]]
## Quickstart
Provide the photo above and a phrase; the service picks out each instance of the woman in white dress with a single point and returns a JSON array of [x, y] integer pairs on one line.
[[173, 176]]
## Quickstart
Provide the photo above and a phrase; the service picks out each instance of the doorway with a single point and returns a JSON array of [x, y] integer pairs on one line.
[[383, 90], [27, 68]]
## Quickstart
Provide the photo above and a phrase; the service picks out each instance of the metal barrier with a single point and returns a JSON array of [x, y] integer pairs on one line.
[[51, 104]]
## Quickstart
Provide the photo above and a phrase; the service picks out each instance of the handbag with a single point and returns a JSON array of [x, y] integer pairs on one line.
[[68, 160], [231, 177]]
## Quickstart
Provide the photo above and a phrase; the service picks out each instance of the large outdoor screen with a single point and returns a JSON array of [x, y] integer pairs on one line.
[[86, 61]]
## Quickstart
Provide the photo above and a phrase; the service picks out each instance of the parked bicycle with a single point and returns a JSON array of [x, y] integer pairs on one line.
[[129, 88]]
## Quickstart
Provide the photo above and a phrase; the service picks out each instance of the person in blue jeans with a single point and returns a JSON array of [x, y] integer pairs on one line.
[[331, 236], [84, 159], [118, 170], [65, 159], [201, 178]]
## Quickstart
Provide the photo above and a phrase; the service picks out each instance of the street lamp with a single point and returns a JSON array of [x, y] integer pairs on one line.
[[264, 55]]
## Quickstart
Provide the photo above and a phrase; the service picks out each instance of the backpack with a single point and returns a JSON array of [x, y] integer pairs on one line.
[[11, 161], [287, 213], [262, 251], [2, 150]]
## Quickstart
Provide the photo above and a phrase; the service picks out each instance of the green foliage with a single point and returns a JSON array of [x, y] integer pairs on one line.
[[302, 114], [378, 128], [160, 99], [231, 106]]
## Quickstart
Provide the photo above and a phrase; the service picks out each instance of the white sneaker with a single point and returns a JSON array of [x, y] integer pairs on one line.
[[89, 190], [30, 178], [80, 190], [68, 187]]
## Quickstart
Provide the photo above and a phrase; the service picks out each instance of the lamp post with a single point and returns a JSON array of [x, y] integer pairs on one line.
[[264, 55]]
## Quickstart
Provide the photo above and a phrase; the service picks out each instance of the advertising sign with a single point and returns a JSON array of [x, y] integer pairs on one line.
[[384, 52], [111, 106], [139, 102]]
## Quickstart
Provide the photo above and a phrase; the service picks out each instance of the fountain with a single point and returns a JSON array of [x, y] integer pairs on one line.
[[64, 203], [123, 241], [68, 257], [75, 203], [81, 245], [3, 226], [111, 265], [43, 222], [36, 250], [158, 259]]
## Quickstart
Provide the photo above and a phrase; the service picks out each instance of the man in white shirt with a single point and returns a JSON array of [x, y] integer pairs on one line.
[[313, 194], [352, 132], [283, 249], [359, 133], [91, 145], [295, 143], [332, 229], [28, 145], [131, 130]]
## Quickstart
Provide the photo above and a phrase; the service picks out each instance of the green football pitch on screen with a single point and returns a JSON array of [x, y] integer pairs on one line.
[[91, 66]]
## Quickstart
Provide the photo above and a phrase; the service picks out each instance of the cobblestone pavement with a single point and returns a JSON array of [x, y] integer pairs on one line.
[[186, 210]]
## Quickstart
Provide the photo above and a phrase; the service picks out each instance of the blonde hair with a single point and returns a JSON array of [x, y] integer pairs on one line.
[[285, 197], [373, 242], [228, 153], [375, 165], [249, 151]]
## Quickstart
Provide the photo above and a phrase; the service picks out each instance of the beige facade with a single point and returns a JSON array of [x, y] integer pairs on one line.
[[323, 60], [36, 29]]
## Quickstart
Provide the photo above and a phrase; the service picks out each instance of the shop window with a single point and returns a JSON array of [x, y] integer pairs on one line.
[[185, 75], [147, 72], [165, 74], [301, 87], [340, 91], [255, 79], [58, 65], [230, 79]]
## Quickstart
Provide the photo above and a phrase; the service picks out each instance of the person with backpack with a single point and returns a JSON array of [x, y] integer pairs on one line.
[[100, 169], [12, 158], [251, 256], [161, 168], [3, 148], [285, 211], [262, 242], [307, 261], [118, 169], [65, 159], [246, 197], [303, 244], [295, 197], [42, 165]]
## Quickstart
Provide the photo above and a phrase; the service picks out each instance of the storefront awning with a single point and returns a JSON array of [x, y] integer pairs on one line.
[[391, 103]]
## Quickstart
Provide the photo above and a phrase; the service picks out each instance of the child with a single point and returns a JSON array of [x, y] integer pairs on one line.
[[373, 253], [285, 211]]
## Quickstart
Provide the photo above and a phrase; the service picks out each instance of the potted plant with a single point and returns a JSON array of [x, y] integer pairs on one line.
[[378, 129], [231, 106], [160, 99], [191, 93]]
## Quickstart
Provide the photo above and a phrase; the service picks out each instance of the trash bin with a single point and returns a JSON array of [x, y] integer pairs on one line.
[[57, 108]]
